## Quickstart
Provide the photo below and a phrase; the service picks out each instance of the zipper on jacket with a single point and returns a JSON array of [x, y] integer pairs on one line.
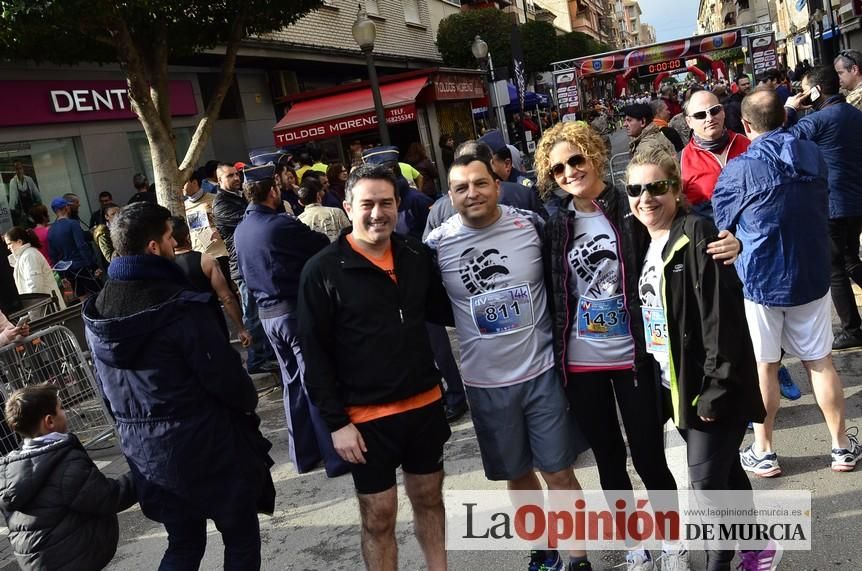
[[567, 329], [394, 284], [674, 388], [622, 283]]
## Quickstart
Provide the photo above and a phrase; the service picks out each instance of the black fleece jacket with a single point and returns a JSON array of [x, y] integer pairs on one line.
[[363, 336], [632, 240]]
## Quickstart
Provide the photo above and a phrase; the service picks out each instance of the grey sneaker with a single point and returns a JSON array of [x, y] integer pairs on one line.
[[765, 466], [845, 459], [638, 560], [675, 561]]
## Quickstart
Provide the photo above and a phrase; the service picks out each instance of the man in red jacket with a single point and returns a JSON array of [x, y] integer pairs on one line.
[[709, 149]]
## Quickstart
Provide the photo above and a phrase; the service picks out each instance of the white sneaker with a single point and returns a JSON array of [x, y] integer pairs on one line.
[[675, 560], [638, 560]]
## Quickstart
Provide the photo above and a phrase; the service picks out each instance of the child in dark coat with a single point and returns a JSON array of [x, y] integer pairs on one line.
[[60, 509]]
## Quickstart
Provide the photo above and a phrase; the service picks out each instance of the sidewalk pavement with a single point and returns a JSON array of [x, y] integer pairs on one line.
[[316, 524]]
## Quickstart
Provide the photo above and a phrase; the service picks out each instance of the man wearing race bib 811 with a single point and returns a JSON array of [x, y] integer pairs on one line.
[[490, 257]]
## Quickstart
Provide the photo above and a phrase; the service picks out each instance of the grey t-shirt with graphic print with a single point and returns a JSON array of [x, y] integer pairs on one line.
[[494, 278]]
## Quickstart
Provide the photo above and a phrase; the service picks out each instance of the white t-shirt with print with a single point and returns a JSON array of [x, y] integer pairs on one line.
[[600, 337], [652, 307]]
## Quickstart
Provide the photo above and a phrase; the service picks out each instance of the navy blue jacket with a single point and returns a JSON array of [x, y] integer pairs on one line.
[[836, 128], [773, 198], [412, 209], [271, 250], [184, 405], [66, 242]]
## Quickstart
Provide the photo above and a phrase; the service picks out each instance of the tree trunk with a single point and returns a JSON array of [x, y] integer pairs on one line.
[[169, 183], [146, 68]]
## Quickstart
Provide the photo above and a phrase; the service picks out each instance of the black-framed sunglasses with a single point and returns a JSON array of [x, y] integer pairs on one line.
[[713, 111], [656, 188], [575, 161]]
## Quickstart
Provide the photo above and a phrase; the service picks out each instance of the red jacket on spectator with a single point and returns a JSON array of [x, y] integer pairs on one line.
[[673, 105], [700, 168]]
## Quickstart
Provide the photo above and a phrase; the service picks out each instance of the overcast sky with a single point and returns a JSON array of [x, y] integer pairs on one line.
[[672, 19]]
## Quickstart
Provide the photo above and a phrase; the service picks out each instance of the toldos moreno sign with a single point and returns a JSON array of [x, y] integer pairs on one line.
[[334, 127]]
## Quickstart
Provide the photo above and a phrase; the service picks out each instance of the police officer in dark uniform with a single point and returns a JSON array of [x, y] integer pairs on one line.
[[271, 250]]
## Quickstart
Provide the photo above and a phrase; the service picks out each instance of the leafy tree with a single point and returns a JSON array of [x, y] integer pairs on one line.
[[455, 35], [539, 40], [578, 44], [143, 36]]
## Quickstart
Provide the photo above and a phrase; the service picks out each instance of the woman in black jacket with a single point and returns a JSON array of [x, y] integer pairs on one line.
[[593, 249], [592, 246], [691, 311]]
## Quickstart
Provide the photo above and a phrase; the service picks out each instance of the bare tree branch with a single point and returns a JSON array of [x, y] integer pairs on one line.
[[226, 78]]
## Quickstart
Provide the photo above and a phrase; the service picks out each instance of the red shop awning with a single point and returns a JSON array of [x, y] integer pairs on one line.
[[348, 112]]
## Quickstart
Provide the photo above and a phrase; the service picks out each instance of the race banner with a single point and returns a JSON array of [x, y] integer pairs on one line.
[[568, 96], [657, 53], [763, 52], [518, 65]]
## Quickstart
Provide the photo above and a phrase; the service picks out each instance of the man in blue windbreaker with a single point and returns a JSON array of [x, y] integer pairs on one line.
[[774, 199]]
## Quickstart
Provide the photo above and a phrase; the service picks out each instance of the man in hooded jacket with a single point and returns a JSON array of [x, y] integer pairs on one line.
[[183, 404]]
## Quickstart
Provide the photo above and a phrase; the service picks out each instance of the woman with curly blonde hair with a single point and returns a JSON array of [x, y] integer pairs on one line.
[[594, 249]]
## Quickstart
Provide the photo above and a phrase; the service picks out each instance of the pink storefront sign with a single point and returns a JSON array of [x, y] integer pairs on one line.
[[40, 102]]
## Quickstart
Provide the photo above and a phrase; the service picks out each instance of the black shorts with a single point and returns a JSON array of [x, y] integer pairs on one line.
[[413, 440]]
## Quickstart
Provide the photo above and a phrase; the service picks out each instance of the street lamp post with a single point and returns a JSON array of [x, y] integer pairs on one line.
[[480, 51], [364, 33]]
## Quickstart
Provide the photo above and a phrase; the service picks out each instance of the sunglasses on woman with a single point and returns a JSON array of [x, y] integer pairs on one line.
[[575, 161], [656, 188], [713, 111]]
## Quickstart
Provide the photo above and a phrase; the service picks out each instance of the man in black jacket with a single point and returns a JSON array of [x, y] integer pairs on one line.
[[228, 209], [363, 303]]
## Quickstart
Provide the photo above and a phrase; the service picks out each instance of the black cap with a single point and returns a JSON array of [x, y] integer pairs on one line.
[[639, 111]]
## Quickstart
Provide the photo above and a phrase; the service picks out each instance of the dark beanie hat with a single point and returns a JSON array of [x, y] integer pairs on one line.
[[639, 111]]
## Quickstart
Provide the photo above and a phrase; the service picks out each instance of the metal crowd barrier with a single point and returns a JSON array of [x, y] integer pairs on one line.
[[37, 305], [617, 167], [53, 356]]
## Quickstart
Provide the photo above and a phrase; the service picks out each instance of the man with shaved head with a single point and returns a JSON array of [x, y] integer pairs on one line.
[[775, 199], [711, 146]]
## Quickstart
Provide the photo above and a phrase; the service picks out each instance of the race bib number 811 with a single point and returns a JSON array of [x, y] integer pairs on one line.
[[503, 311]]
